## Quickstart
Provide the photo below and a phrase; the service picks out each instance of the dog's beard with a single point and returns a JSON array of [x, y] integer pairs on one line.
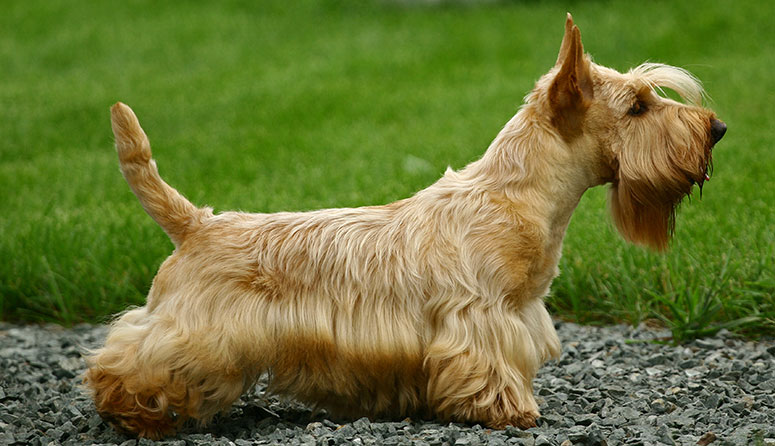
[[643, 209], [641, 219]]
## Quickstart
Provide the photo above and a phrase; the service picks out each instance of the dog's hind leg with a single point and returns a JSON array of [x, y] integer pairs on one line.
[[152, 375]]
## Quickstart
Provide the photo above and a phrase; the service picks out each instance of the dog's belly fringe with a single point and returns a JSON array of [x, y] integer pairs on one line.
[[351, 358], [349, 383], [369, 372]]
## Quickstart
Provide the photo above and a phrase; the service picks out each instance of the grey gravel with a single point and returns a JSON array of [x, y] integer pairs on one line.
[[612, 386]]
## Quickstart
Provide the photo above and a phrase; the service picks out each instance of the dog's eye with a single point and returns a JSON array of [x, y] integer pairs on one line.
[[637, 109]]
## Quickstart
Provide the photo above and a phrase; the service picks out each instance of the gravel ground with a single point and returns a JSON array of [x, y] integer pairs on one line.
[[611, 386]]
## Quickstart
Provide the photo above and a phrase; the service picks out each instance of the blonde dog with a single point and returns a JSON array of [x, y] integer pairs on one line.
[[431, 306]]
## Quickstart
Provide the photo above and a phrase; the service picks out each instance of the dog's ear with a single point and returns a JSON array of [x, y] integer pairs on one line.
[[571, 90], [564, 46]]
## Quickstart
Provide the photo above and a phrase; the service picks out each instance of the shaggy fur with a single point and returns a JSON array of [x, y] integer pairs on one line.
[[430, 306]]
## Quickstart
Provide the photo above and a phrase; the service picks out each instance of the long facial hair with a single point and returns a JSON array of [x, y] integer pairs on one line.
[[660, 164]]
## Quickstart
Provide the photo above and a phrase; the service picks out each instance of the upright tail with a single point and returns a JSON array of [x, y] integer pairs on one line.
[[172, 211]]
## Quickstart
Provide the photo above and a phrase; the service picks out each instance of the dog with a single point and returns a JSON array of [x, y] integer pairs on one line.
[[432, 306]]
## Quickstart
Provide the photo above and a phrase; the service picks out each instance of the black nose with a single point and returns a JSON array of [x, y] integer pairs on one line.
[[717, 130]]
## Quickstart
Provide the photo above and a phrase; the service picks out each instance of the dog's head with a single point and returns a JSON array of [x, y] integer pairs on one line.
[[651, 149]]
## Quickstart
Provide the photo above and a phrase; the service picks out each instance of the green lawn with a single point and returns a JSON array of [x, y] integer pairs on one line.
[[277, 105]]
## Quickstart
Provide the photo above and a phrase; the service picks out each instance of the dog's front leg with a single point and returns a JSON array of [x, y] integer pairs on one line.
[[481, 363]]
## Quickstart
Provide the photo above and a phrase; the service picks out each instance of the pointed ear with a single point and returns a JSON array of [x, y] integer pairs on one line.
[[571, 90], [565, 40]]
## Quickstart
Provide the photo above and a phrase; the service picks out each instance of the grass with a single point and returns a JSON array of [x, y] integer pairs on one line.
[[275, 105]]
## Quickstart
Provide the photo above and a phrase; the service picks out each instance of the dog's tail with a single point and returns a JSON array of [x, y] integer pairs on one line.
[[172, 211]]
